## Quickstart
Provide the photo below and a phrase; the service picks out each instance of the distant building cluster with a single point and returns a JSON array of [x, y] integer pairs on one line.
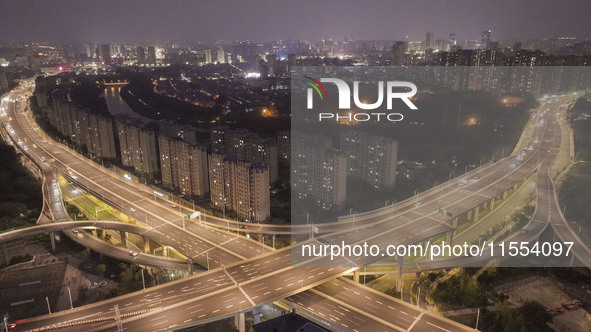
[[275, 59], [486, 52], [221, 76]]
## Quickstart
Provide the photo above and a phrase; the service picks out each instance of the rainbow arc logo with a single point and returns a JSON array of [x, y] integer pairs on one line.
[[315, 84]]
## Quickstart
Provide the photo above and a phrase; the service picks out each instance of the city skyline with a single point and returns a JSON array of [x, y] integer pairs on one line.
[[36, 21]]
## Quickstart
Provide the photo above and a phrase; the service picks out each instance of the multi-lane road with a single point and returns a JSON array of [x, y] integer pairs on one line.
[[252, 274], [204, 245], [259, 281]]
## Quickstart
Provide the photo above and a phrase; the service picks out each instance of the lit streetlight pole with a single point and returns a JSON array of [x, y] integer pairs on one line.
[[143, 280], [70, 295], [48, 307]]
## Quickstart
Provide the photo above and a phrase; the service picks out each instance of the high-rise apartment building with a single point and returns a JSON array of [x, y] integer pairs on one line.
[[319, 173], [485, 39], [284, 147], [452, 40], [428, 41], [399, 53], [3, 81], [272, 63], [247, 146], [106, 54], [137, 146], [208, 56], [239, 186], [183, 166], [93, 131], [221, 56], [151, 58], [141, 55], [370, 158]]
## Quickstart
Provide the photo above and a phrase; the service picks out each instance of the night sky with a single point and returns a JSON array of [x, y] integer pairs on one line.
[[212, 20]]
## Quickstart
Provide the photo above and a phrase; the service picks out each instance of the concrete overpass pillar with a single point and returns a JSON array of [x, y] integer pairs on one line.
[[450, 237], [147, 245], [399, 275], [492, 204], [190, 265], [4, 252], [52, 240], [256, 312], [454, 222], [470, 213], [123, 238], [495, 262], [505, 195], [240, 322], [356, 275], [165, 251], [485, 205], [476, 211]]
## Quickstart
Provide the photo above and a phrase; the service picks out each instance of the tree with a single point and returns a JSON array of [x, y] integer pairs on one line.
[[85, 254], [535, 315], [73, 210], [530, 317], [101, 269], [107, 237], [393, 292], [99, 233], [82, 293]]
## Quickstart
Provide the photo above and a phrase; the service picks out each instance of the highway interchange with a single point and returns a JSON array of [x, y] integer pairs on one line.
[[252, 274]]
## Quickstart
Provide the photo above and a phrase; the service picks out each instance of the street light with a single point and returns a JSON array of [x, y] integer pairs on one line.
[[143, 280], [48, 307], [70, 295]]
